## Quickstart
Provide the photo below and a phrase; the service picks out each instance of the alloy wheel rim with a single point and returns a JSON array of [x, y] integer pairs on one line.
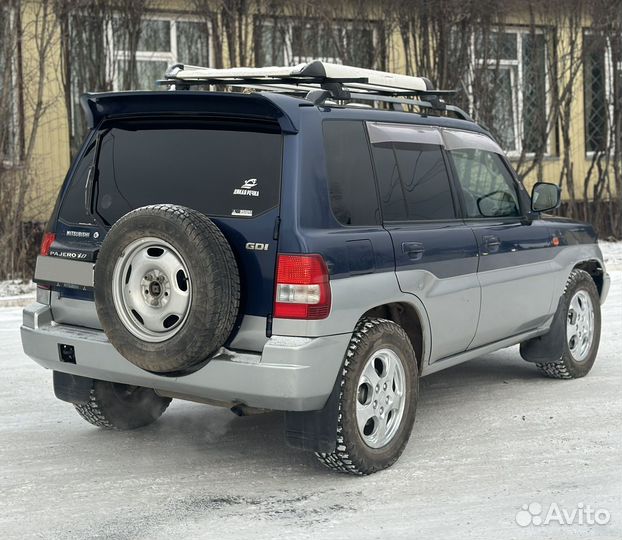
[[151, 289], [580, 325], [380, 400]]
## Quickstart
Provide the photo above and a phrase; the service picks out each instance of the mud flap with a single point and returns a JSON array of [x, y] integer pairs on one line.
[[550, 346], [314, 431], [72, 388]]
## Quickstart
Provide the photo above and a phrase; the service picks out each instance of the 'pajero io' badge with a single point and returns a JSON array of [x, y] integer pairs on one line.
[[247, 188]]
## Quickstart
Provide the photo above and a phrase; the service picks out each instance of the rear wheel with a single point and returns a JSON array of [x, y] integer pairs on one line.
[[377, 403], [582, 329], [121, 406]]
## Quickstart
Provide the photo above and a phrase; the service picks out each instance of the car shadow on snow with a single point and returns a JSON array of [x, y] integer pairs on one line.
[[495, 368], [202, 433]]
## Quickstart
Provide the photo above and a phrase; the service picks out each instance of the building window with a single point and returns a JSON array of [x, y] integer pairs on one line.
[[281, 41], [10, 119], [599, 73], [509, 88], [162, 42], [101, 58]]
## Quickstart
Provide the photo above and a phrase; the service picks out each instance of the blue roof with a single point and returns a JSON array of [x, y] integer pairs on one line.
[[270, 106]]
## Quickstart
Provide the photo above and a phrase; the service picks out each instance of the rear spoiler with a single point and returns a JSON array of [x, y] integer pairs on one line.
[[100, 106]]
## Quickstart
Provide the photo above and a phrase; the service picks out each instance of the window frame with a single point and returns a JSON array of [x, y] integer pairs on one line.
[[170, 57], [518, 66], [609, 92], [114, 55], [288, 23]]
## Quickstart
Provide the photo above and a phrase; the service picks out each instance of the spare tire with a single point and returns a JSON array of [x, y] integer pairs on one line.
[[167, 287]]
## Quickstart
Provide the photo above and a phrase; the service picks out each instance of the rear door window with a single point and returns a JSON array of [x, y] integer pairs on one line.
[[217, 169], [414, 182]]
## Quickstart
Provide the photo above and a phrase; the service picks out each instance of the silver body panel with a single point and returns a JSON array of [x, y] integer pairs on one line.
[[59, 270], [297, 367], [294, 374], [452, 306], [351, 298], [74, 312], [250, 337], [515, 299]]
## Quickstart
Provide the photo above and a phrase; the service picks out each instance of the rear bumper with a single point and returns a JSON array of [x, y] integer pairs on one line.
[[290, 374]]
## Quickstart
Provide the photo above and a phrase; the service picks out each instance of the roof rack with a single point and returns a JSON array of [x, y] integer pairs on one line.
[[320, 81]]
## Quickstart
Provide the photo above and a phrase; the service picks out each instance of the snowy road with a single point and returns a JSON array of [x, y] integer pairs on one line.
[[491, 435]]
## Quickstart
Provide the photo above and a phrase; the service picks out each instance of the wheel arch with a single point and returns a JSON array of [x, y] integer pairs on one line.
[[595, 269], [409, 318]]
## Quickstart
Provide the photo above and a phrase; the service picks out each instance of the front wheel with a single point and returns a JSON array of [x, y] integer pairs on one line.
[[581, 305], [120, 406], [378, 399]]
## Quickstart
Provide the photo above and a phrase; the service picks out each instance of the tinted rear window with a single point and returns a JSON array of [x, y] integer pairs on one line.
[[413, 181], [73, 205], [215, 169]]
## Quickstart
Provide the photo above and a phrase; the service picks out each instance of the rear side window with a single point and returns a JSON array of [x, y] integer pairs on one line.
[[73, 206], [351, 183], [413, 181]]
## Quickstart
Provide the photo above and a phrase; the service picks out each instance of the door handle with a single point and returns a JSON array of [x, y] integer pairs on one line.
[[490, 244], [414, 250]]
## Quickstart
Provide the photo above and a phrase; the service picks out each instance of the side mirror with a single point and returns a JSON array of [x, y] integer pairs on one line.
[[545, 196]]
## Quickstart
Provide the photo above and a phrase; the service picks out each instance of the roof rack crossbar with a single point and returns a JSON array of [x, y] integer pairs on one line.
[[415, 102]]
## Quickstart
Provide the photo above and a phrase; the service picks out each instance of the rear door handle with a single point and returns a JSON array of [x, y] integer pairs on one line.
[[414, 250], [490, 244]]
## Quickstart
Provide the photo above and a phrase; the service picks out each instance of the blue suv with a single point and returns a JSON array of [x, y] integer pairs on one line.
[[313, 244]]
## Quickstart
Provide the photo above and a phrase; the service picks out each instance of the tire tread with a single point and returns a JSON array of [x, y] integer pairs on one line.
[[563, 367], [342, 458]]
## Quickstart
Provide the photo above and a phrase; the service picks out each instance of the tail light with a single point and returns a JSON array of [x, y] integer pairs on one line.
[[46, 244], [302, 287], [43, 294]]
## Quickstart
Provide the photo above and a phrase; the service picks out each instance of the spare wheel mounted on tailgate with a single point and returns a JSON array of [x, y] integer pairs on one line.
[[167, 287]]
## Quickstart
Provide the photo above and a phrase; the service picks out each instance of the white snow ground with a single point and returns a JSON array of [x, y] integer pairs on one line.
[[16, 292], [612, 254], [16, 287], [491, 435]]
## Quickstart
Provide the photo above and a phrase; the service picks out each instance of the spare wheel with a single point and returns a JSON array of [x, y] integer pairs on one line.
[[167, 287]]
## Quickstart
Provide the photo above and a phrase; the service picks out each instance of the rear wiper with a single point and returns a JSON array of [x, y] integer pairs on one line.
[[92, 177]]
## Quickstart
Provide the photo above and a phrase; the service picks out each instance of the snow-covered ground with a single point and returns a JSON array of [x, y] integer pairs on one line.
[[612, 254], [491, 436], [15, 292]]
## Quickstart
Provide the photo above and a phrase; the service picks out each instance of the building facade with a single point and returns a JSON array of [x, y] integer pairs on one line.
[[546, 78]]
